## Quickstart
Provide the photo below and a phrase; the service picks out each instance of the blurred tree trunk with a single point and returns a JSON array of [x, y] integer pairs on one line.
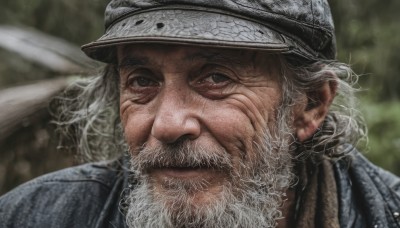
[[28, 142], [23, 105]]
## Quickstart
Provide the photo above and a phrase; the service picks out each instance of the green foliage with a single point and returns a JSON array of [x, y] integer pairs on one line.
[[78, 21], [368, 38], [368, 35], [384, 138]]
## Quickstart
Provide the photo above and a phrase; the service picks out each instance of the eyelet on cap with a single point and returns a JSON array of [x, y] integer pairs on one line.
[[160, 25]]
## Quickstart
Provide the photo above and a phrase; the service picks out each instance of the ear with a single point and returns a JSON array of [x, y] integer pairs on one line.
[[310, 116]]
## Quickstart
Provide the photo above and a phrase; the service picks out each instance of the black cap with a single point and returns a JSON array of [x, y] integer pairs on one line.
[[303, 28]]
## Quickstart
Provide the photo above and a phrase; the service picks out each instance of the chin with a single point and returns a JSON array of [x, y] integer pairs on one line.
[[191, 194]]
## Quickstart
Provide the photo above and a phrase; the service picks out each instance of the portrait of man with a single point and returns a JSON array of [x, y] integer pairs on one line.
[[228, 113]]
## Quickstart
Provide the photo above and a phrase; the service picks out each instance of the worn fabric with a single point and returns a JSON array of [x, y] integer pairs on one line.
[[350, 192], [83, 196], [317, 198]]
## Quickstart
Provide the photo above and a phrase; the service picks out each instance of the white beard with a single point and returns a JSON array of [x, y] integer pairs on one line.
[[251, 197]]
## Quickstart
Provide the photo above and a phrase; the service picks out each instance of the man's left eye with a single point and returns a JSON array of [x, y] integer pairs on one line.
[[216, 78]]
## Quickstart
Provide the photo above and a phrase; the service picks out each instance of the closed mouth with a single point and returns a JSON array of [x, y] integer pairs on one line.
[[182, 172]]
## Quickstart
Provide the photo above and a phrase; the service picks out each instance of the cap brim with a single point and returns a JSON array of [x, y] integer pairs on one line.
[[187, 27]]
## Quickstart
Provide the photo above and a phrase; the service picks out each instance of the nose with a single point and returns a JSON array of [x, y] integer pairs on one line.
[[175, 119]]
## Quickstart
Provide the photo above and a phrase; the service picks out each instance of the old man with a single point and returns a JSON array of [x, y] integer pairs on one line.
[[228, 113]]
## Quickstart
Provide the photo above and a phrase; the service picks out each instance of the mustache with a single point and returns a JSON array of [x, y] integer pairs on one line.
[[182, 154]]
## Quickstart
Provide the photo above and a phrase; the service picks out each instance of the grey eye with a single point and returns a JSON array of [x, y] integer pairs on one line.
[[218, 78], [144, 81]]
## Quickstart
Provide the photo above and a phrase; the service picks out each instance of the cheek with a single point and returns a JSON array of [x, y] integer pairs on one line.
[[230, 127], [233, 128], [238, 121], [136, 124]]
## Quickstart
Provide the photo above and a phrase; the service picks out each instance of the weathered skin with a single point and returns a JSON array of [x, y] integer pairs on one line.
[[197, 94], [216, 98]]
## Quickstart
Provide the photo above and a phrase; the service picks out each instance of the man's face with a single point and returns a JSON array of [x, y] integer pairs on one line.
[[195, 118]]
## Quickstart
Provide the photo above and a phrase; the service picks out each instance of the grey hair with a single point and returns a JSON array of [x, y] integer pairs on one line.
[[344, 124], [87, 117], [87, 114]]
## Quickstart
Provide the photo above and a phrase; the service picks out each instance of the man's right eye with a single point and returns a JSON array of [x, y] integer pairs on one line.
[[138, 82]]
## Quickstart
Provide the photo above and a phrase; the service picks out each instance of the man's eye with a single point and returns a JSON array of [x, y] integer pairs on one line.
[[216, 78], [142, 82]]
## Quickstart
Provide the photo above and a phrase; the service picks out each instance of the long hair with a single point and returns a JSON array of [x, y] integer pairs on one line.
[[87, 117], [87, 114], [344, 125]]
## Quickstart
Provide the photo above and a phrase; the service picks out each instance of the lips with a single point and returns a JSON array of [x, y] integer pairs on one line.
[[183, 172]]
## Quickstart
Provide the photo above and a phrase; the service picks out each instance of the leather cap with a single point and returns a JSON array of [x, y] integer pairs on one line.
[[303, 28]]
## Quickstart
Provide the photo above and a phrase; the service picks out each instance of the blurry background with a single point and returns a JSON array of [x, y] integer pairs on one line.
[[368, 37]]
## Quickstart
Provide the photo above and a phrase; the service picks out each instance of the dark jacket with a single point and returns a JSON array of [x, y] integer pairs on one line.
[[89, 195]]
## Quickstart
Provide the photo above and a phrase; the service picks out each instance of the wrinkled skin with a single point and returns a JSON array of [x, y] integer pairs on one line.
[[216, 98], [199, 94]]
